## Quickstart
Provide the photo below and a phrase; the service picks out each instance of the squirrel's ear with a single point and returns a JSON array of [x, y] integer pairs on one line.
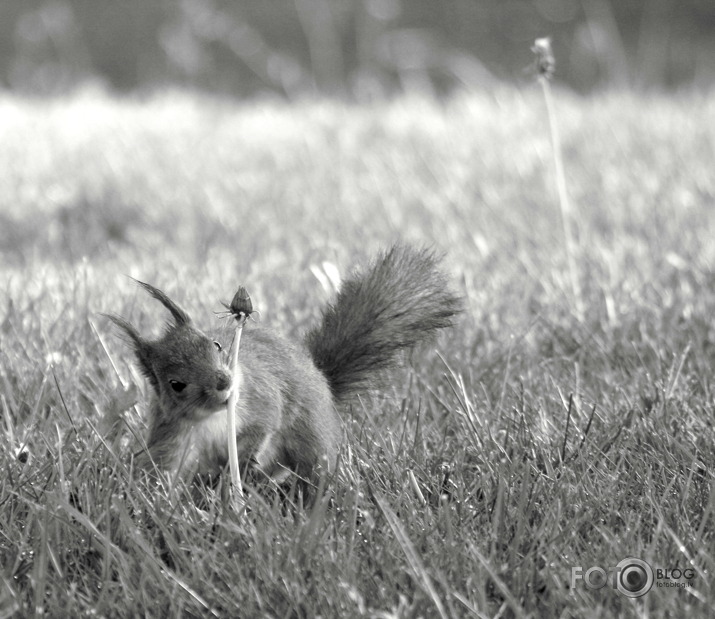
[[126, 327], [180, 316], [142, 348]]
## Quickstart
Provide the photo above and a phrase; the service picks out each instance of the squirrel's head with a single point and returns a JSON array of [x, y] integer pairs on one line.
[[184, 367]]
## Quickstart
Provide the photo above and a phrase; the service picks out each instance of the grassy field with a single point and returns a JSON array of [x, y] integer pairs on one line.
[[532, 439]]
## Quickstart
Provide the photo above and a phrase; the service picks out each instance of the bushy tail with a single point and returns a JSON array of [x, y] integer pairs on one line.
[[401, 300]]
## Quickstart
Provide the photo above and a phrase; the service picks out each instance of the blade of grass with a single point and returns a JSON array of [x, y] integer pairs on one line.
[[419, 572]]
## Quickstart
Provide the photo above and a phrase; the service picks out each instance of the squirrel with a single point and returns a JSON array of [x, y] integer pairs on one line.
[[287, 412]]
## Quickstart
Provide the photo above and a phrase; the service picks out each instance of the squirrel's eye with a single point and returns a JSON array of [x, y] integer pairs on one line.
[[218, 346], [177, 385]]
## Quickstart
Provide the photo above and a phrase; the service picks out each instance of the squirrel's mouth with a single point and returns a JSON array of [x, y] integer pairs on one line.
[[216, 401]]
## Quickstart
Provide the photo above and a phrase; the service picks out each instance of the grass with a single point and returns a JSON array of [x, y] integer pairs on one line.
[[521, 444]]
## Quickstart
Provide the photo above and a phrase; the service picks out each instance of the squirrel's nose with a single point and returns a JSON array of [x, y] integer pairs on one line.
[[223, 382]]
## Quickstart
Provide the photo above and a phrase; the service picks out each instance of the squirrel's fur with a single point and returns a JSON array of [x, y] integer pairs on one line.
[[286, 415]]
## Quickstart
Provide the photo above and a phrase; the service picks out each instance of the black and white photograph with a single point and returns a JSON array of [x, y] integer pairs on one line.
[[357, 308]]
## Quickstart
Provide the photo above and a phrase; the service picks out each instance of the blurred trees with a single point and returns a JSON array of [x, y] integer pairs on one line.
[[359, 48]]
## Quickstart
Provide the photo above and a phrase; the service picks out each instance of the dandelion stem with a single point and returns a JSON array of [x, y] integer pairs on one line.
[[231, 412], [545, 66], [241, 308]]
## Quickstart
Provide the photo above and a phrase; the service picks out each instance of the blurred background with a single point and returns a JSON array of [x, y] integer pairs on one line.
[[349, 48]]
